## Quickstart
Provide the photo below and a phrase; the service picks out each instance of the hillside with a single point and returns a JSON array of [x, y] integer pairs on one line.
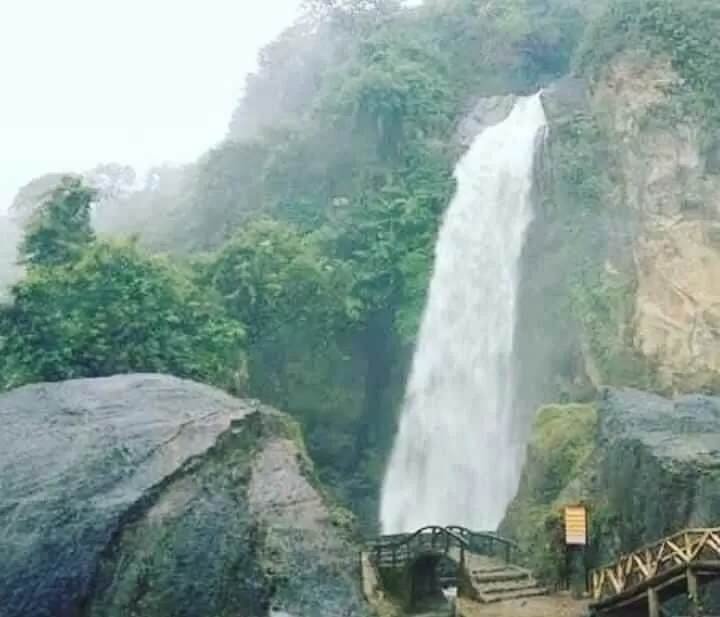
[[302, 245]]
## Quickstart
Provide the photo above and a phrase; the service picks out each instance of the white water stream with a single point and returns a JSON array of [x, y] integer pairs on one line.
[[456, 458]]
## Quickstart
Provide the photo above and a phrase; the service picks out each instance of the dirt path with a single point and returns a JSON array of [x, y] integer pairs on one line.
[[556, 605]]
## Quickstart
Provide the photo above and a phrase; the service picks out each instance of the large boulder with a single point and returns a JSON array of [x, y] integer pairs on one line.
[[645, 465], [659, 466], [151, 495]]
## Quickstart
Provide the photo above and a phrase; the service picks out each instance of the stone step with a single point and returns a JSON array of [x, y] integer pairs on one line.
[[503, 586], [504, 596], [502, 575], [491, 569]]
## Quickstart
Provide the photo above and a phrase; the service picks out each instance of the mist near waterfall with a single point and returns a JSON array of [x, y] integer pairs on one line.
[[9, 241], [458, 453]]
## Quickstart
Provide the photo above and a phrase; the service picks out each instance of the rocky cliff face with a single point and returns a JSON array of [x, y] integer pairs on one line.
[[669, 181], [645, 465], [150, 495]]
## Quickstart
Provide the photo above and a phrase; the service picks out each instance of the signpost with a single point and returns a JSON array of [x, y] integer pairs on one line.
[[576, 525], [576, 535]]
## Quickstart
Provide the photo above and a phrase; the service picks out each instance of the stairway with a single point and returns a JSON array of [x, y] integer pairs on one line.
[[495, 581]]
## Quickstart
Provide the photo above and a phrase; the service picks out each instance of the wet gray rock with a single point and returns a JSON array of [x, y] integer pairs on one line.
[[150, 495], [485, 112], [659, 469], [563, 98], [678, 431], [307, 553], [645, 466]]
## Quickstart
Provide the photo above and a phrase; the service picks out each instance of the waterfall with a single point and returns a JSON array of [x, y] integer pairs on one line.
[[456, 458]]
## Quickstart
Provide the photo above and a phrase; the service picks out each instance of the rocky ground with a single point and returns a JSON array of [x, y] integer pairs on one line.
[[556, 605]]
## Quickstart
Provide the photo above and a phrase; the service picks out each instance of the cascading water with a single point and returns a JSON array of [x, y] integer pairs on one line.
[[456, 458]]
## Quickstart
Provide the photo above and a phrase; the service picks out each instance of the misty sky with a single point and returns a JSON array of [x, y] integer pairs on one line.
[[132, 81]]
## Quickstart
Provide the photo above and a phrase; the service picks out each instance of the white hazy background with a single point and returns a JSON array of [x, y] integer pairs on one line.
[[139, 82]]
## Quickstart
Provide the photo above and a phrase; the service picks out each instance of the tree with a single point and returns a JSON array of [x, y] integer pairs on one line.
[[273, 278], [156, 206], [357, 16], [228, 190], [30, 194], [114, 310], [301, 320], [59, 227], [112, 180]]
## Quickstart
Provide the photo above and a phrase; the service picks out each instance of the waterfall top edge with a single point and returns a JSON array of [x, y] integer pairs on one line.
[[526, 110], [527, 117]]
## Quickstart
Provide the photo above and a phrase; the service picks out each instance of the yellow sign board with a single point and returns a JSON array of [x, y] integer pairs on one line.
[[575, 525]]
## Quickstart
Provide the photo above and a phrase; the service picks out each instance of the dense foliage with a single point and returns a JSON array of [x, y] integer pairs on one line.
[[89, 308], [686, 32], [303, 243], [59, 229]]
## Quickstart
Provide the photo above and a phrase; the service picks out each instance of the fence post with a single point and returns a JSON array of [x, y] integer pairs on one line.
[[692, 587], [653, 603]]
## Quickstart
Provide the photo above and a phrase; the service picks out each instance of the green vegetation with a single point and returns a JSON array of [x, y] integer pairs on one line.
[[686, 32], [340, 188], [302, 246], [59, 229], [683, 32], [89, 308]]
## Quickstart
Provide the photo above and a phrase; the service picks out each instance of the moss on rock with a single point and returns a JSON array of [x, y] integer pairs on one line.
[[242, 527], [193, 547], [561, 444]]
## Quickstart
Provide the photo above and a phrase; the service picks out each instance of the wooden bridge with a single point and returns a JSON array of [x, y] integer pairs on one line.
[[415, 566], [640, 582], [399, 550]]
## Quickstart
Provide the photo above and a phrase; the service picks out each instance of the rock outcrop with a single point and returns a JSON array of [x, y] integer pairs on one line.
[[657, 468], [645, 465], [485, 112], [150, 495]]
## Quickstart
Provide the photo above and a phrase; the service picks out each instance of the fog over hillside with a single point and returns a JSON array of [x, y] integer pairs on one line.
[[9, 236], [153, 106]]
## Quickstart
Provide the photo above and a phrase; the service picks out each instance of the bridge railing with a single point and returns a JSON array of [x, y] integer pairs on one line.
[[488, 543], [397, 549], [652, 560]]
